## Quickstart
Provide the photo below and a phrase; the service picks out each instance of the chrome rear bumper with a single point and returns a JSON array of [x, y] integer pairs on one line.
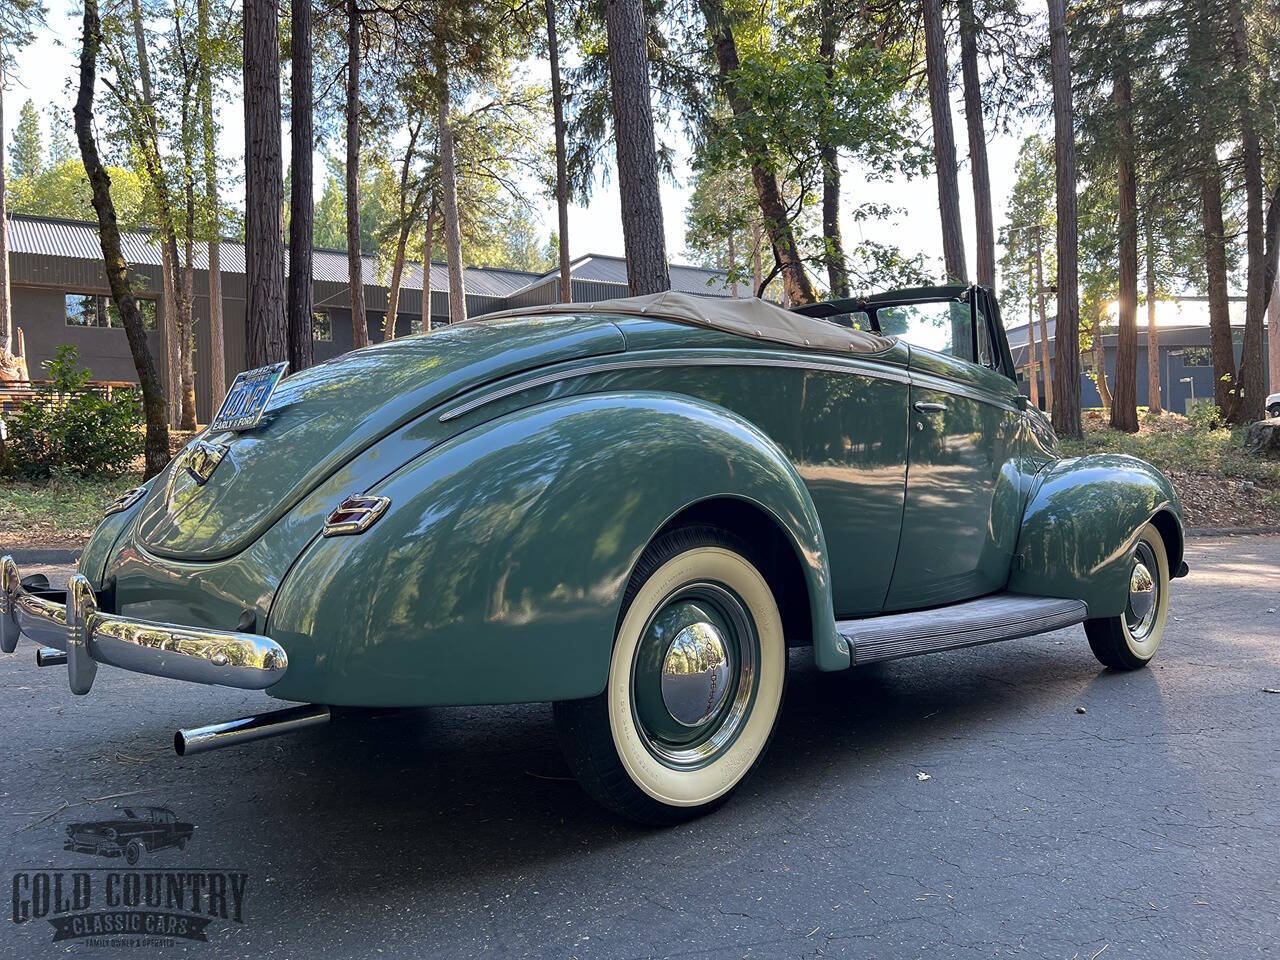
[[90, 637]]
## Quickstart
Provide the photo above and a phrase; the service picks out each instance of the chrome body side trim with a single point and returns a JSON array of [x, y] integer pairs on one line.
[[850, 367], [90, 637]]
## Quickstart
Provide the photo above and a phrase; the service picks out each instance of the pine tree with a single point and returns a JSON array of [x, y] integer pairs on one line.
[[26, 153]]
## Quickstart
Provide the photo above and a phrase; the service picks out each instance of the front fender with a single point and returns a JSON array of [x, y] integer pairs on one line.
[[1082, 519], [497, 573]]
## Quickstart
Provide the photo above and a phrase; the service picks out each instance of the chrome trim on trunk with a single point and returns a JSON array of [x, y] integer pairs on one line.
[[90, 637]]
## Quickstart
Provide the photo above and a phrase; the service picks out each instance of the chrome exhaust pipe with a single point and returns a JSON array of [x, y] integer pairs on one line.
[[233, 732], [51, 657]]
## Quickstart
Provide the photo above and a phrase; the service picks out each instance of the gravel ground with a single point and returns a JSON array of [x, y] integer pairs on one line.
[[959, 805]]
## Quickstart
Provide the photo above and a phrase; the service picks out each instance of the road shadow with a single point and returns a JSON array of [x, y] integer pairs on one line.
[[421, 798]]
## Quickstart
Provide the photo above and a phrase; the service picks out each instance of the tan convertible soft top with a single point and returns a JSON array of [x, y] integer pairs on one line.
[[753, 318]]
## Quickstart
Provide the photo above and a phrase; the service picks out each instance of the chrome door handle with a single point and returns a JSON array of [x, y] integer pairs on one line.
[[923, 406]]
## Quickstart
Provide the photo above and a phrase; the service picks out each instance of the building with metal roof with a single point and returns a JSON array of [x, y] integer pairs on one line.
[[1184, 360], [60, 295]]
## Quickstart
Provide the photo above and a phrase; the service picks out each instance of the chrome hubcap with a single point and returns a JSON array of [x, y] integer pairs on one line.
[[1144, 594], [693, 678], [695, 674]]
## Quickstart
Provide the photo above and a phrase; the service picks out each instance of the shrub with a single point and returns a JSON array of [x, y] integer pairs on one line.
[[69, 429]]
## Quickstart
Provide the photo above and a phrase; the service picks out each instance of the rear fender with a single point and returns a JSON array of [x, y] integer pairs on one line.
[[497, 573], [1082, 520]]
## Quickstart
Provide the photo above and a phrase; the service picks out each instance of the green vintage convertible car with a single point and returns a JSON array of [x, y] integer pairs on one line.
[[630, 509]]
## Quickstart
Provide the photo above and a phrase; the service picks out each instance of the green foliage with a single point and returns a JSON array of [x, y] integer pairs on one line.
[[813, 75], [62, 190], [1197, 444], [19, 19], [1031, 222], [68, 429], [26, 153]]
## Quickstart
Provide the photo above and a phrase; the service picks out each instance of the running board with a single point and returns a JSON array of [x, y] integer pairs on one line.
[[1001, 616]]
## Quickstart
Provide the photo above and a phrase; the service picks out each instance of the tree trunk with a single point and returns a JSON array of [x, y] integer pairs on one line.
[[1066, 368], [428, 244], [797, 287], [1251, 395], [1202, 51], [643, 238], [7, 360], [1273, 336], [217, 341], [1153, 335], [832, 240], [1215, 262], [983, 222], [393, 292], [1045, 364], [757, 265], [154, 167], [406, 216], [944, 141], [172, 353], [186, 310], [156, 448], [1124, 406], [266, 332], [562, 174], [452, 224], [1032, 373], [733, 262], [1100, 364], [355, 258], [301, 205]]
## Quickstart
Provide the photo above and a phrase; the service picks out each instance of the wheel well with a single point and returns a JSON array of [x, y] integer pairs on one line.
[[1171, 534], [774, 549]]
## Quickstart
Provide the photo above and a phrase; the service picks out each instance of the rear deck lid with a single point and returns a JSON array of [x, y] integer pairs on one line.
[[321, 418]]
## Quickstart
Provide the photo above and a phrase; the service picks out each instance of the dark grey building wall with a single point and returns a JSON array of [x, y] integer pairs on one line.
[[1174, 344], [41, 313]]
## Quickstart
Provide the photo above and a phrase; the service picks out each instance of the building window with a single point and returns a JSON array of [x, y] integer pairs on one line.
[[1197, 357], [322, 326], [98, 310]]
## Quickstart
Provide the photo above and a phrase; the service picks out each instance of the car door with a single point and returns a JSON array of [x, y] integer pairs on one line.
[[963, 493]]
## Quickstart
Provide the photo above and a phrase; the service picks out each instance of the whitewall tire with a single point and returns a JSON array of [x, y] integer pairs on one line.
[[1129, 641], [695, 682]]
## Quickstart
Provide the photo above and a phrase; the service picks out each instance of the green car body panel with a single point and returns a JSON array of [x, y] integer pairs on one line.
[[529, 462], [1081, 524], [503, 559]]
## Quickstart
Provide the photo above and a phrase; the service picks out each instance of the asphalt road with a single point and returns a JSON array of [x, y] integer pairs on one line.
[[957, 805]]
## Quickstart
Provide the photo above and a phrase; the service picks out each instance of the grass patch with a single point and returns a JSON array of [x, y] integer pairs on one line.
[[59, 512], [1176, 443], [1204, 459]]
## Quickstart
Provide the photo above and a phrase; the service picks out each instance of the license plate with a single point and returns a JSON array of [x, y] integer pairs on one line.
[[248, 398]]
